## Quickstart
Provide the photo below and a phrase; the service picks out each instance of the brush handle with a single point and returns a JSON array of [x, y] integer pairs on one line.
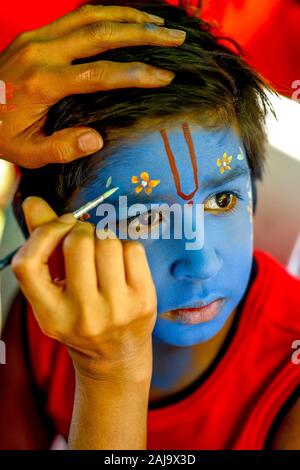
[[7, 259], [77, 214]]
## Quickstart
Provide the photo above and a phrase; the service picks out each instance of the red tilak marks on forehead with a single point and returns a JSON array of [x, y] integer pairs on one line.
[[174, 170]]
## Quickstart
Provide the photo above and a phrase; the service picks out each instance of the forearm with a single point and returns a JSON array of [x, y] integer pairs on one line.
[[109, 415]]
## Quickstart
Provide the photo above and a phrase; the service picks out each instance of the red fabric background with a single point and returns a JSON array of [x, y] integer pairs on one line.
[[267, 30]]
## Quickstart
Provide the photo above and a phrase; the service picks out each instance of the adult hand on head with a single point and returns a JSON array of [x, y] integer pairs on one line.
[[36, 71]]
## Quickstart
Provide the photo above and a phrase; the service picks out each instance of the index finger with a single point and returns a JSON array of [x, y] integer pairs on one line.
[[30, 264], [88, 14], [105, 35]]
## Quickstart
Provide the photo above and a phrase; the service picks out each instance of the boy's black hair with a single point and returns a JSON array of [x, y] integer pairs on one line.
[[212, 84]]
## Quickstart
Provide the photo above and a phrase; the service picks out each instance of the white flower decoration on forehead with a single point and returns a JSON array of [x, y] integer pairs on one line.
[[144, 183], [223, 163]]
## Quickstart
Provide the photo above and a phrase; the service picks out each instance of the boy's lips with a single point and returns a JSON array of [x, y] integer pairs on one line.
[[194, 315]]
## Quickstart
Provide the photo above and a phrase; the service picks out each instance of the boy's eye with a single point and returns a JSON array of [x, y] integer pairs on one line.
[[144, 222], [221, 202]]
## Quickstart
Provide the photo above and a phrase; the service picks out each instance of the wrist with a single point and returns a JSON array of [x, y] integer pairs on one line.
[[134, 369], [92, 387]]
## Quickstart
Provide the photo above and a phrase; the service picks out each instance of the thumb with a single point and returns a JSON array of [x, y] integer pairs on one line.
[[37, 212], [63, 146]]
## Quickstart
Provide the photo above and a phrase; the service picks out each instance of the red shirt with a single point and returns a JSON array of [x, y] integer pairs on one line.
[[234, 405]]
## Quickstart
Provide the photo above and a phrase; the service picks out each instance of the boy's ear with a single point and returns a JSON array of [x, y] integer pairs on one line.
[[37, 212]]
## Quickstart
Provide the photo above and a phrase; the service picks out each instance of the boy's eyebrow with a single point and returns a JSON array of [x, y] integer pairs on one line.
[[138, 199], [213, 182]]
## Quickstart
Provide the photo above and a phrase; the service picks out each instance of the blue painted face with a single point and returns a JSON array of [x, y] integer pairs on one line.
[[188, 164]]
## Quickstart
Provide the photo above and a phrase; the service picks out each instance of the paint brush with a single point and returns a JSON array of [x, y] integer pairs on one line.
[[77, 214]]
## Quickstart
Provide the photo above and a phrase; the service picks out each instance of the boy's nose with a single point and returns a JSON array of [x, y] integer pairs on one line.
[[197, 265]]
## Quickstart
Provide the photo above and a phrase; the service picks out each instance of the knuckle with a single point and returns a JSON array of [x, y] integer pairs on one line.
[[43, 231], [30, 51], [82, 236], [60, 152], [144, 296], [24, 37], [137, 13], [85, 327], [21, 265], [103, 30], [79, 239], [86, 10], [87, 229], [132, 13], [147, 305], [98, 72], [120, 323], [32, 83], [74, 242]]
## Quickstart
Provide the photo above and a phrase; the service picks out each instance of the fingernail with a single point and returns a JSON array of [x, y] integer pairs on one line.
[[90, 142], [67, 218], [176, 33], [156, 19], [164, 75]]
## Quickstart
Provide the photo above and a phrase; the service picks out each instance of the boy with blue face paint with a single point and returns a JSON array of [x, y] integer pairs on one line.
[[199, 141], [213, 277]]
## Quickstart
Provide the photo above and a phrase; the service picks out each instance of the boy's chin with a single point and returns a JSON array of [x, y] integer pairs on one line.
[[179, 334]]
